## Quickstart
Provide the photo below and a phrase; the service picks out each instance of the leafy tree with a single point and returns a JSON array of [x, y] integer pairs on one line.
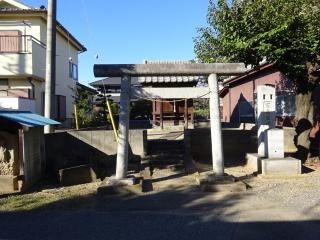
[[83, 101], [141, 110], [284, 32], [201, 108]]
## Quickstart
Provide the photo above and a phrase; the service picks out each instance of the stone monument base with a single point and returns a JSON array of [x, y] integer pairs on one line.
[[281, 166]]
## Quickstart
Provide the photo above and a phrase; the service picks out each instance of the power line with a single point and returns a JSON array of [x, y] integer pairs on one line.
[[89, 30]]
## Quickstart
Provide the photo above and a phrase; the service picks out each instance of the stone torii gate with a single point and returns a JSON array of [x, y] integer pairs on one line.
[[126, 71]]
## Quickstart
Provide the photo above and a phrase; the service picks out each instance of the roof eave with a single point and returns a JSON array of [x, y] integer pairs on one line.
[[43, 14], [248, 73]]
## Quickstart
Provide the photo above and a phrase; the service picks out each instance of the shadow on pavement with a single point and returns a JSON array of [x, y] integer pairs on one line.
[[171, 214]]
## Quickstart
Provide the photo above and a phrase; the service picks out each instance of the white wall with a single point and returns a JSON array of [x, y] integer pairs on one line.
[[64, 84], [34, 64]]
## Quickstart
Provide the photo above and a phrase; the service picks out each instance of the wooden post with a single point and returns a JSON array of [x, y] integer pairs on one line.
[[124, 118], [161, 114], [186, 113], [154, 119], [192, 113], [215, 122], [21, 151]]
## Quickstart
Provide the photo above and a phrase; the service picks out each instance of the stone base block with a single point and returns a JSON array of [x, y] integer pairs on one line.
[[223, 187], [289, 133], [210, 177], [253, 162], [127, 186], [8, 183], [281, 166], [77, 175], [209, 182]]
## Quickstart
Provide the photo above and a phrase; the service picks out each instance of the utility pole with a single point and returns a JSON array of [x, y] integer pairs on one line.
[[50, 81]]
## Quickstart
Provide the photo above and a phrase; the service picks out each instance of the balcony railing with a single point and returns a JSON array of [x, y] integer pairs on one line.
[[18, 44], [17, 103]]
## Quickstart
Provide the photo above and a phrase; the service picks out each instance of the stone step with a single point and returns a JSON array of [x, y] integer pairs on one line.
[[161, 162], [165, 146], [166, 153], [165, 157]]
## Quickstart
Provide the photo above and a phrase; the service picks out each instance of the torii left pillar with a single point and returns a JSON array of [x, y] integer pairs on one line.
[[124, 119]]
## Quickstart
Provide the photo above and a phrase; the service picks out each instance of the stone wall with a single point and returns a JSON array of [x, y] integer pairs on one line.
[[96, 148], [104, 140], [236, 143]]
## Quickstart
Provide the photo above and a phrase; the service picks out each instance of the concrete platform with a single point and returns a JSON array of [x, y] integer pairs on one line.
[[77, 175], [281, 166]]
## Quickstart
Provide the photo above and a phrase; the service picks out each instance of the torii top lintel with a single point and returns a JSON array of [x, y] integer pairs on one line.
[[169, 69]]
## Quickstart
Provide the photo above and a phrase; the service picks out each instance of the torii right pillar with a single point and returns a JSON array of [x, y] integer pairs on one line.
[[215, 122]]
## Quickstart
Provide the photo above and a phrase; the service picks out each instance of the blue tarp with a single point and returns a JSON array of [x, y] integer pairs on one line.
[[27, 118]]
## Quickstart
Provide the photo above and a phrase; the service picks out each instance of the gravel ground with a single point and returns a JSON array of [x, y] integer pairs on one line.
[[301, 192]]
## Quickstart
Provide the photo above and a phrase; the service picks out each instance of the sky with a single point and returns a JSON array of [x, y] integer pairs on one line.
[[129, 31]]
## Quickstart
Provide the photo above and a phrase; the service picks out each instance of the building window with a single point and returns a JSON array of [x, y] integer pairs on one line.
[[285, 104], [60, 108], [73, 71]]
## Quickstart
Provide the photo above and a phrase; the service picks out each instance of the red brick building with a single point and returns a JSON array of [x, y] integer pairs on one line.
[[239, 94]]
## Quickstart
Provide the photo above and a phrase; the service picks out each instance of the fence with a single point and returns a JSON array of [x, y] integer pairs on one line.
[[18, 44]]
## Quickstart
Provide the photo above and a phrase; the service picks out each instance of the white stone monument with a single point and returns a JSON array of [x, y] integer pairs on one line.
[[274, 143], [266, 112]]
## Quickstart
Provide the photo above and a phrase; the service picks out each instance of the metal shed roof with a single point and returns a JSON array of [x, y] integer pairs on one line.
[[27, 118]]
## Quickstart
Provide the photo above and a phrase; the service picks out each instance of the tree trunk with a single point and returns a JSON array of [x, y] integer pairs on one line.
[[305, 110]]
